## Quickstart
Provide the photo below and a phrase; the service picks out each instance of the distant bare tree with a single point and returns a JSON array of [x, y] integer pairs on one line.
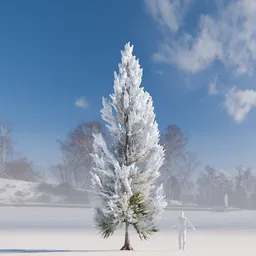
[[6, 147], [76, 151], [212, 186], [44, 174], [179, 164], [22, 169], [185, 170], [62, 173], [245, 185], [13, 166]]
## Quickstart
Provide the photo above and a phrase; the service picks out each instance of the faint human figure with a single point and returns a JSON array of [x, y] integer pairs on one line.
[[182, 230], [226, 200]]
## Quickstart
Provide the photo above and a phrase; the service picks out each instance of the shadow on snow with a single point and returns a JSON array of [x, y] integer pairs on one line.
[[57, 251], [50, 251]]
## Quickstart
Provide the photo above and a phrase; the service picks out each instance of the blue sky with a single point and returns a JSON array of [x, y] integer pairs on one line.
[[198, 58]]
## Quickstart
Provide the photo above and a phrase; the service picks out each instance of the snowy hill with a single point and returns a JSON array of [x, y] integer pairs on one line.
[[22, 192], [17, 192]]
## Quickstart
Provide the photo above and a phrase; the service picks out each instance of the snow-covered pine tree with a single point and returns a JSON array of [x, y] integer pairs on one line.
[[124, 174]]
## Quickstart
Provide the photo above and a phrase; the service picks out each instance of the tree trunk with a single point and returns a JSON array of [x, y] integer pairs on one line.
[[127, 246]]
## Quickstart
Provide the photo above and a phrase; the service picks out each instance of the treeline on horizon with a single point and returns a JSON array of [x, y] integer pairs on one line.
[[177, 172]]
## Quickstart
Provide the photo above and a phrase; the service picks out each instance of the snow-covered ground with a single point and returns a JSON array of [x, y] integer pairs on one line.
[[16, 191], [68, 231]]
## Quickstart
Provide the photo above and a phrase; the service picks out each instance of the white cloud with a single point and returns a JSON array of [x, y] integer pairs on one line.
[[191, 54], [229, 37], [239, 103], [159, 72], [167, 12], [81, 102], [212, 89]]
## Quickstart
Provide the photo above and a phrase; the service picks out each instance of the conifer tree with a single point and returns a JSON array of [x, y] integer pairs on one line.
[[124, 174]]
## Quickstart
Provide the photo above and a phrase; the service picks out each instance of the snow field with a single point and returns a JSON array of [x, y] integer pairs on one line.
[[69, 232], [77, 242]]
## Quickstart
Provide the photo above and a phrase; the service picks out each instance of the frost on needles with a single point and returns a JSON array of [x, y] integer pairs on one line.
[[124, 173]]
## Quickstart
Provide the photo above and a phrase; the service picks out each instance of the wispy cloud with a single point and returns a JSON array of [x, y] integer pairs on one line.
[[167, 12], [239, 103], [230, 38], [81, 102], [212, 89], [191, 54], [159, 72], [226, 36]]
